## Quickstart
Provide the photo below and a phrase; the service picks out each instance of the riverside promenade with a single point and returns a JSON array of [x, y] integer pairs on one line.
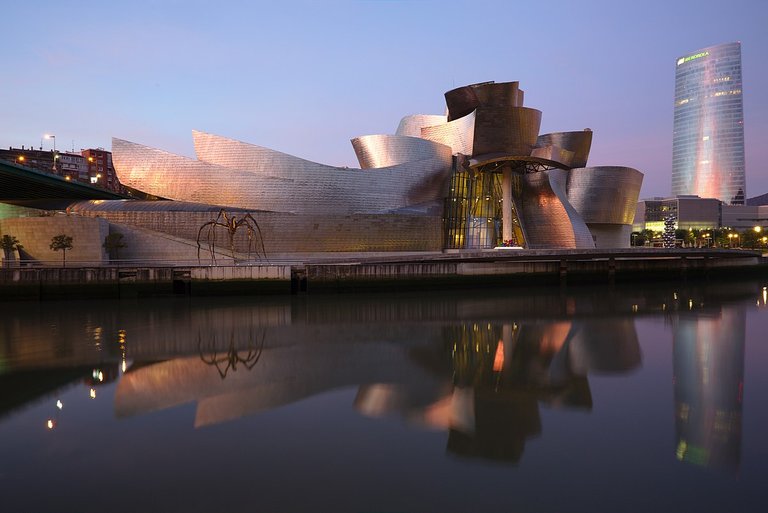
[[364, 272]]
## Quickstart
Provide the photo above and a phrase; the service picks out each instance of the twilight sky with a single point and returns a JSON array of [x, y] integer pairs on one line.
[[305, 77]]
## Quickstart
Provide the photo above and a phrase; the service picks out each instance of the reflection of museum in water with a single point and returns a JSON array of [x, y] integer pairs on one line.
[[497, 375], [431, 364]]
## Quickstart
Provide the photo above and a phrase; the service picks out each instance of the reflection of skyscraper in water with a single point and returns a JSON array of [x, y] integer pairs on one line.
[[709, 377]]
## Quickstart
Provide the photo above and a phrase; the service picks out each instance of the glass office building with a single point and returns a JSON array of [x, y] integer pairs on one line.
[[708, 144]]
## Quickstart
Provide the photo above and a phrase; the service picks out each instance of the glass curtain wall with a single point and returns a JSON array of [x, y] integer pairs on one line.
[[473, 211]]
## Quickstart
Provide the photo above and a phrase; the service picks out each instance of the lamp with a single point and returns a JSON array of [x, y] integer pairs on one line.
[[51, 136]]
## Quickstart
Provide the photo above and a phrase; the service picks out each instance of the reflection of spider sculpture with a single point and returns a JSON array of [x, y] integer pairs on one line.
[[232, 358], [231, 224]]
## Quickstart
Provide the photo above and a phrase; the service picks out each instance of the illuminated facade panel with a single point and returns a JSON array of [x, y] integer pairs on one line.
[[605, 194], [606, 198], [412, 125], [459, 134], [377, 151], [236, 174], [708, 143], [549, 220], [578, 142]]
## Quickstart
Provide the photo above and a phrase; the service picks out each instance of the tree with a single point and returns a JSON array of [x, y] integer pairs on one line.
[[62, 242], [687, 236], [112, 243], [642, 238], [9, 244]]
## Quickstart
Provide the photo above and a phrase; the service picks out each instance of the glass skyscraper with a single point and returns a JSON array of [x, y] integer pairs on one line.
[[708, 144]]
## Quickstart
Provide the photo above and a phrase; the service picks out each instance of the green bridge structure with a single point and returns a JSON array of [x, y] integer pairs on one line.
[[20, 184]]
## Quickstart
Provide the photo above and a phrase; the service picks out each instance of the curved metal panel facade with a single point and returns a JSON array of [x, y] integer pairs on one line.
[[578, 142], [461, 101], [459, 134], [223, 151], [605, 194], [499, 94], [555, 154], [377, 151], [257, 178], [512, 130], [412, 125], [548, 220], [558, 180]]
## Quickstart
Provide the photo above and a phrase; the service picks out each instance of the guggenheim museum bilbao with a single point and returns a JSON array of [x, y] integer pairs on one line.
[[480, 176]]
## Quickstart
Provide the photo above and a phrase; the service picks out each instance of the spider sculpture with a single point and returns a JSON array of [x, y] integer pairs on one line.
[[228, 361], [231, 223]]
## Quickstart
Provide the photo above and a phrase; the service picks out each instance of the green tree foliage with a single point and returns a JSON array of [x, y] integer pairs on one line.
[[62, 242], [637, 239], [9, 243]]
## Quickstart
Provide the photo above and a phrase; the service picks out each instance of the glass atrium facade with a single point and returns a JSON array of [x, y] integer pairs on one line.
[[473, 216], [708, 144]]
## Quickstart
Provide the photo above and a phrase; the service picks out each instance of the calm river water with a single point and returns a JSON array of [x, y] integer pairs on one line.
[[645, 398]]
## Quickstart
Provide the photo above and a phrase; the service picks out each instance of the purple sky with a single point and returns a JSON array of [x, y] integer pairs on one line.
[[305, 77]]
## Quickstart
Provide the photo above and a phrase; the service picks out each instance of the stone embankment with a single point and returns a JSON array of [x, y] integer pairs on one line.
[[361, 272]]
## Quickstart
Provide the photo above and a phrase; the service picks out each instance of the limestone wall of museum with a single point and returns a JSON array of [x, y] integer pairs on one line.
[[35, 234], [292, 233], [142, 244]]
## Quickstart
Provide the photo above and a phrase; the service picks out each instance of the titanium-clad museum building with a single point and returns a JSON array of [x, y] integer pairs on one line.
[[480, 176], [476, 178]]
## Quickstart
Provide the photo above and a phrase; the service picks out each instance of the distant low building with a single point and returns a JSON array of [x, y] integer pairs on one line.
[[693, 212], [73, 167], [101, 172]]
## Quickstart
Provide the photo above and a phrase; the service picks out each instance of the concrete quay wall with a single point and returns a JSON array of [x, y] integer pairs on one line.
[[412, 272], [122, 282], [520, 271]]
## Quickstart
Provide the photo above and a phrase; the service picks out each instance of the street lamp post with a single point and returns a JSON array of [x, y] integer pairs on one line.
[[55, 155]]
